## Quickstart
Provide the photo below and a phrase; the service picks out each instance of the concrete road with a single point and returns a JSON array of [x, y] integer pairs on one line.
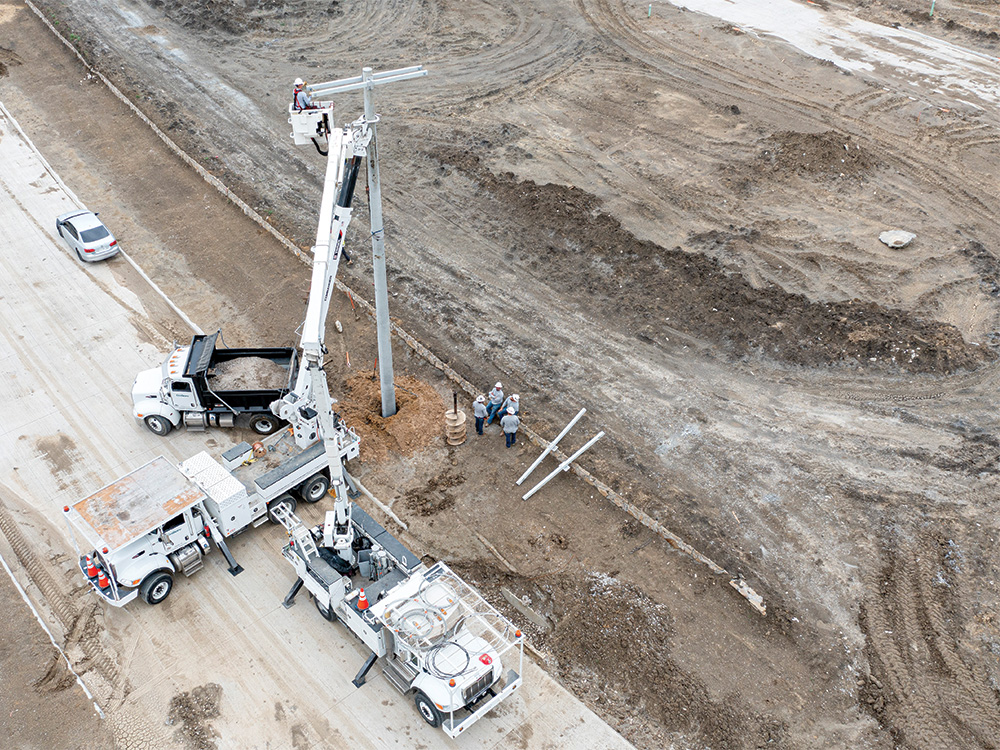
[[220, 664]]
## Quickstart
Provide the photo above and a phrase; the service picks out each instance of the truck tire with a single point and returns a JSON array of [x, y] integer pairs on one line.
[[427, 710], [156, 587], [285, 499], [158, 425], [264, 424], [328, 614], [314, 488]]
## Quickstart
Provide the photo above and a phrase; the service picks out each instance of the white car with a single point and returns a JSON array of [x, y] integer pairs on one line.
[[87, 235]]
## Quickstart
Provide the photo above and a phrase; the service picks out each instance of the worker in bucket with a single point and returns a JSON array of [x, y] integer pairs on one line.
[[480, 411], [510, 423], [512, 401], [496, 401], [300, 98]]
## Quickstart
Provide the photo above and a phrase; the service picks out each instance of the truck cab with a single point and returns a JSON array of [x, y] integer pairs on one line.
[[143, 529], [191, 387]]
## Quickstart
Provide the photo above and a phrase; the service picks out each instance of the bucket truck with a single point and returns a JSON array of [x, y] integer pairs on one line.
[[439, 640]]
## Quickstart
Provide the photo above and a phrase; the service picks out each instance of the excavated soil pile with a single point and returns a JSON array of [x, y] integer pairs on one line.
[[613, 646], [249, 373], [419, 416], [641, 285], [814, 154]]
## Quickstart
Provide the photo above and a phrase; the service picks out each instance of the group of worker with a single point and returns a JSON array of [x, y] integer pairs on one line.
[[487, 407]]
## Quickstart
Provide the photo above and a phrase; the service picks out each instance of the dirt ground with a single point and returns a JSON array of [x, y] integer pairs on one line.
[[671, 222]]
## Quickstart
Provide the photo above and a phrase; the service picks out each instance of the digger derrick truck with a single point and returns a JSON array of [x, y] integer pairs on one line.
[[438, 639], [191, 387]]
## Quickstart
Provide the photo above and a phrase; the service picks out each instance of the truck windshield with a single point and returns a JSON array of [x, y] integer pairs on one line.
[[92, 235]]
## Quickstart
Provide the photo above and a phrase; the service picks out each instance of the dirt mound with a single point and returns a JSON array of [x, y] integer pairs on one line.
[[419, 415], [249, 373], [613, 645], [653, 292], [813, 154], [229, 16]]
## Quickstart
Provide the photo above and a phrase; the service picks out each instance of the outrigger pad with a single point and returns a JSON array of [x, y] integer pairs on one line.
[[363, 673]]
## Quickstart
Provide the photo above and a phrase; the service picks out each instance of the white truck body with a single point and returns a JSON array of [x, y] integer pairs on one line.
[[438, 638], [160, 519]]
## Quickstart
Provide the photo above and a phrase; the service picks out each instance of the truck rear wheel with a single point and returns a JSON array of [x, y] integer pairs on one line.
[[428, 710], [314, 488], [263, 424], [287, 500], [158, 425], [328, 614], [156, 587]]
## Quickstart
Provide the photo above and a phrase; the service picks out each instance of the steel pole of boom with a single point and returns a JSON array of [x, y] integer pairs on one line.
[[367, 81]]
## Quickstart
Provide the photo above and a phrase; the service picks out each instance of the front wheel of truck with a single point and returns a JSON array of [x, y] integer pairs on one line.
[[428, 710], [158, 425], [156, 587]]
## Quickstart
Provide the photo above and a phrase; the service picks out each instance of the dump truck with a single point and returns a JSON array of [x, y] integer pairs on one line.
[[160, 520], [205, 385]]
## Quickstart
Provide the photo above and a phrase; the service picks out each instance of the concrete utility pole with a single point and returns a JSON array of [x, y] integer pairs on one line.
[[368, 81]]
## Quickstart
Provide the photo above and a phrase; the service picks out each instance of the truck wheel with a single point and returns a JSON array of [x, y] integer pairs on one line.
[[263, 424], [328, 614], [314, 488], [158, 425], [287, 500], [428, 710], [156, 587]]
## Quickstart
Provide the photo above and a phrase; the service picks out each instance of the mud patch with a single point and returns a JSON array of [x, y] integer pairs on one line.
[[8, 59], [813, 154], [61, 454], [435, 496], [654, 293], [192, 710], [418, 420]]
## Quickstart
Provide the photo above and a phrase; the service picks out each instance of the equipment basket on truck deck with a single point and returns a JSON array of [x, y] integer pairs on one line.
[[439, 639]]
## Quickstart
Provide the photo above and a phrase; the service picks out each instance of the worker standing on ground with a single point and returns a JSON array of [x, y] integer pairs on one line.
[[480, 412], [512, 401], [510, 423], [300, 98], [496, 401]]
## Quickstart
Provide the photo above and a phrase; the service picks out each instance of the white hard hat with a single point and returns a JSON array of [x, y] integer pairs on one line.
[[480, 399], [498, 385], [299, 82], [510, 409], [515, 397]]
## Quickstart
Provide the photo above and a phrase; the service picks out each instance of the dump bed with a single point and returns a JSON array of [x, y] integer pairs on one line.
[[207, 364], [134, 505]]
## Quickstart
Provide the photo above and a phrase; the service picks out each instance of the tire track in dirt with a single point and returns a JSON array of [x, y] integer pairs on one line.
[[698, 71], [923, 686], [77, 619]]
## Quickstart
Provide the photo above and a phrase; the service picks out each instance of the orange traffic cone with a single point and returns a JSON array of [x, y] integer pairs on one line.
[[91, 568], [362, 600], [102, 580]]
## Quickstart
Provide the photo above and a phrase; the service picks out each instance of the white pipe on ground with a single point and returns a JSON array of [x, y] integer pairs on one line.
[[564, 466], [552, 445]]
